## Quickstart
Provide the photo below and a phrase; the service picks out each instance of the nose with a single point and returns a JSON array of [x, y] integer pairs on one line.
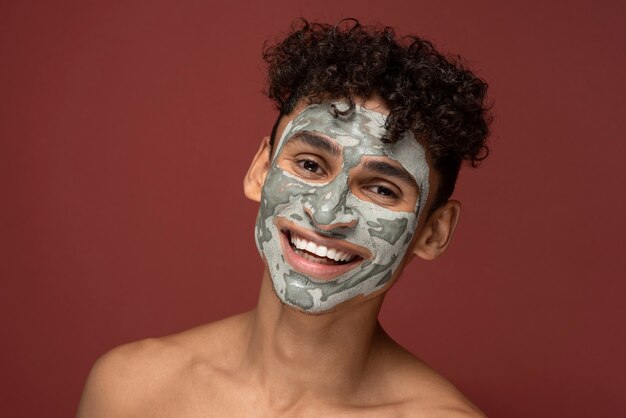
[[327, 206]]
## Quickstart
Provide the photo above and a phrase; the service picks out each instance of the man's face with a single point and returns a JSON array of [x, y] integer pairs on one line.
[[338, 207]]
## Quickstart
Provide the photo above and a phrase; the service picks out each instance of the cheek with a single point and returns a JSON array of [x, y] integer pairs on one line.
[[279, 187], [388, 230], [385, 232], [390, 238]]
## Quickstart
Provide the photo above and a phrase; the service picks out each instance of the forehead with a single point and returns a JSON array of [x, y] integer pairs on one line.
[[360, 125], [359, 133]]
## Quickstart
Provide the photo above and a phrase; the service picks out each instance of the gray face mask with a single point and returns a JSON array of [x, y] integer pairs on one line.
[[288, 199]]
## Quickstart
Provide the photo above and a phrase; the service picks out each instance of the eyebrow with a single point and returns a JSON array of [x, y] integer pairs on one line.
[[389, 170], [317, 141]]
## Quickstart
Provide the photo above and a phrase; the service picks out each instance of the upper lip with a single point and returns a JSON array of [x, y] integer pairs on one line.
[[287, 226]]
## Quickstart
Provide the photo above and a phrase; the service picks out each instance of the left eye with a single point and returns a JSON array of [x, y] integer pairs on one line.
[[383, 191]]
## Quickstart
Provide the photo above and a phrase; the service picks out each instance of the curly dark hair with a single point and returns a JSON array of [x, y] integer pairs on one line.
[[435, 96]]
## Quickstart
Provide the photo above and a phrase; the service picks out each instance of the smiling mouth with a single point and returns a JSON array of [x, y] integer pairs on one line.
[[320, 258], [318, 253]]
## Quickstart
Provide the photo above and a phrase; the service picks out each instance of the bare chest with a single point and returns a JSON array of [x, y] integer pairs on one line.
[[226, 397]]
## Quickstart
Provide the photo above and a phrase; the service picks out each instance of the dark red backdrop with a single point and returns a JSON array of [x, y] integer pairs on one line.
[[126, 128]]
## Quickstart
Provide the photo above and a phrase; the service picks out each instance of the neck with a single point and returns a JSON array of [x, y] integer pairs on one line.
[[311, 355]]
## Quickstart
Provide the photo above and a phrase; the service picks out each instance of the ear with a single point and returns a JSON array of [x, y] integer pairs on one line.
[[255, 177], [437, 232]]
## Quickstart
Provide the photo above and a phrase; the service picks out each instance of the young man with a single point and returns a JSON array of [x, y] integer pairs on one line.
[[353, 183]]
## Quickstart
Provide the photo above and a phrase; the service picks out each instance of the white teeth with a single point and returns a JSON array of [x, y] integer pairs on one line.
[[320, 250], [311, 247]]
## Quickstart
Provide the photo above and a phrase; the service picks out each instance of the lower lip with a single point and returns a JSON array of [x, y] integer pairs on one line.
[[324, 272]]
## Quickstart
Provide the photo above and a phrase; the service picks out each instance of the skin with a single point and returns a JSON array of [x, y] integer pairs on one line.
[[278, 360]]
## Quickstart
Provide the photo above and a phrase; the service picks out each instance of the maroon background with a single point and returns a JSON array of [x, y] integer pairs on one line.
[[126, 129]]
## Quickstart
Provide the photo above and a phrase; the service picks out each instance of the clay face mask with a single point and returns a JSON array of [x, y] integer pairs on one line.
[[322, 244]]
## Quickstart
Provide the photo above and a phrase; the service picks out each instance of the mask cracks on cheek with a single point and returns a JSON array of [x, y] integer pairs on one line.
[[385, 232], [388, 230], [279, 190]]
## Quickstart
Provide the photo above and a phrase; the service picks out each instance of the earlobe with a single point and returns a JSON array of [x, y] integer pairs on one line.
[[255, 177], [437, 232]]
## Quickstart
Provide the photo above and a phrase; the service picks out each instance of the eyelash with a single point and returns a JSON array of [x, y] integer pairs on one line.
[[392, 194]]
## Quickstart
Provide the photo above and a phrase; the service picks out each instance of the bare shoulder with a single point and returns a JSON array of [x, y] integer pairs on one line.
[[125, 374], [135, 376], [419, 390], [436, 395]]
